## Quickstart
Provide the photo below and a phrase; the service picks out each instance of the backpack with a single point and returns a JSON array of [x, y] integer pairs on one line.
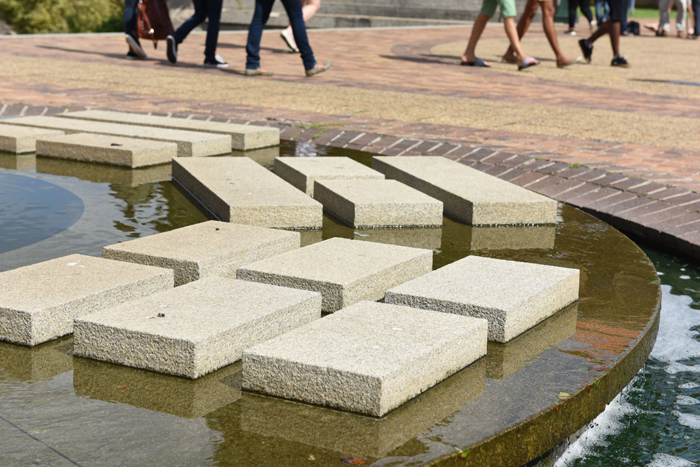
[[633, 27], [154, 21]]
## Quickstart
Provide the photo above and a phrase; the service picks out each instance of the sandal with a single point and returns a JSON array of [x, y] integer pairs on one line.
[[478, 62], [527, 63]]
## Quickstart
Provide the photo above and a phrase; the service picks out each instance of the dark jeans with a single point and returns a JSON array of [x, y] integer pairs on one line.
[[585, 9], [296, 19], [696, 17], [130, 16], [203, 9]]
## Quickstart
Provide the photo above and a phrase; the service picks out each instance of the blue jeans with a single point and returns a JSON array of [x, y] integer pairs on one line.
[[130, 16], [296, 19], [602, 11], [696, 17], [203, 9]]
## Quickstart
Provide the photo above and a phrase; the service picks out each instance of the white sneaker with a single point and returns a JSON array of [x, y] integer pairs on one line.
[[570, 32], [217, 62], [135, 47]]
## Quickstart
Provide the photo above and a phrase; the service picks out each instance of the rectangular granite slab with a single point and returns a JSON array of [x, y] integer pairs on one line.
[[302, 172], [208, 249], [513, 296], [243, 137], [111, 150], [196, 328], [378, 203], [238, 190], [344, 271], [19, 140], [469, 195], [368, 358], [189, 143], [363, 436], [39, 302]]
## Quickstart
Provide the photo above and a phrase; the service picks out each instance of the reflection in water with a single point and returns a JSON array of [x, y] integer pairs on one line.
[[40, 363], [102, 173], [502, 360], [364, 436], [25, 162], [515, 237], [154, 391]]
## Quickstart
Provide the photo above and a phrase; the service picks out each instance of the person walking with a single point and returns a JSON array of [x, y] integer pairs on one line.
[[665, 18], [135, 52], [203, 10], [308, 10], [296, 19], [548, 11], [488, 9], [585, 6], [612, 27], [696, 20]]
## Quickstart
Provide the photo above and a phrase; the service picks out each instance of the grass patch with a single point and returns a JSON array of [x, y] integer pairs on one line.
[[575, 165], [645, 13]]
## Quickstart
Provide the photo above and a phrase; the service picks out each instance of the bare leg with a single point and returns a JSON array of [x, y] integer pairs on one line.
[[615, 37], [479, 26], [512, 33], [308, 11], [603, 30], [523, 26], [548, 11]]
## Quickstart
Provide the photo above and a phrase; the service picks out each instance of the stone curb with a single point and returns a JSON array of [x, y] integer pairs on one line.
[[663, 215]]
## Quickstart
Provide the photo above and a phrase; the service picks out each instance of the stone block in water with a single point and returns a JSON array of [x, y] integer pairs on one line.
[[302, 172], [19, 140], [513, 296], [369, 358]]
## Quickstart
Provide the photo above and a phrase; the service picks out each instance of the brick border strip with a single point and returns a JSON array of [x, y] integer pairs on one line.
[[663, 215]]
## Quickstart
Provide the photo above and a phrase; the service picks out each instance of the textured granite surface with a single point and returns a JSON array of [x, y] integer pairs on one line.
[[302, 172]]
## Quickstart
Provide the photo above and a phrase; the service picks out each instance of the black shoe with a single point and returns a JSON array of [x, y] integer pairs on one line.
[[130, 55], [171, 49], [586, 48], [135, 46], [620, 61], [216, 62]]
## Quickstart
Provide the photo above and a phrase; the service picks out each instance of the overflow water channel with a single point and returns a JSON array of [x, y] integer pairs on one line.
[[505, 409]]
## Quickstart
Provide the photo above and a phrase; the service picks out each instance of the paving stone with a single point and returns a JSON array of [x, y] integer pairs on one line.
[[668, 193], [509, 237], [40, 301], [102, 173], [378, 203], [577, 192], [505, 359], [528, 178], [208, 249], [344, 271], [21, 140], [189, 143], [112, 150], [513, 296], [40, 363], [243, 137], [368, 358], [467, 194], [238, 190], [363, 436], [194, 329], [302, 172], [181, 397]]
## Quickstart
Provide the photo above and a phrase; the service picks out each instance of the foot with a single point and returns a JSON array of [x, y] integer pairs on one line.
[[567, 61], [288, 39], [171, 49], [620, 61], [594, 25], [509, 58], [527, 63], [680, 34], [216, 62], [257, 72], [130, 55], [135, 46], [318, 69], [661, 33], [570, 32], [586, 48]]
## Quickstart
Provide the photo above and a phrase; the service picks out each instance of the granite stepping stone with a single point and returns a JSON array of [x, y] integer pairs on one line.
[[344, 271], [39, 302], [302, 172], [111, 150], [207, 249], [243, 137], [378, 203], [469, 195], [196, 328], [369, 358], [20, 140], [238, 190], [513, 296]]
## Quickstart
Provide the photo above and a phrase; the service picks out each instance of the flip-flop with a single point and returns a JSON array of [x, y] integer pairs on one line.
[[479, 62], [528, 62]]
